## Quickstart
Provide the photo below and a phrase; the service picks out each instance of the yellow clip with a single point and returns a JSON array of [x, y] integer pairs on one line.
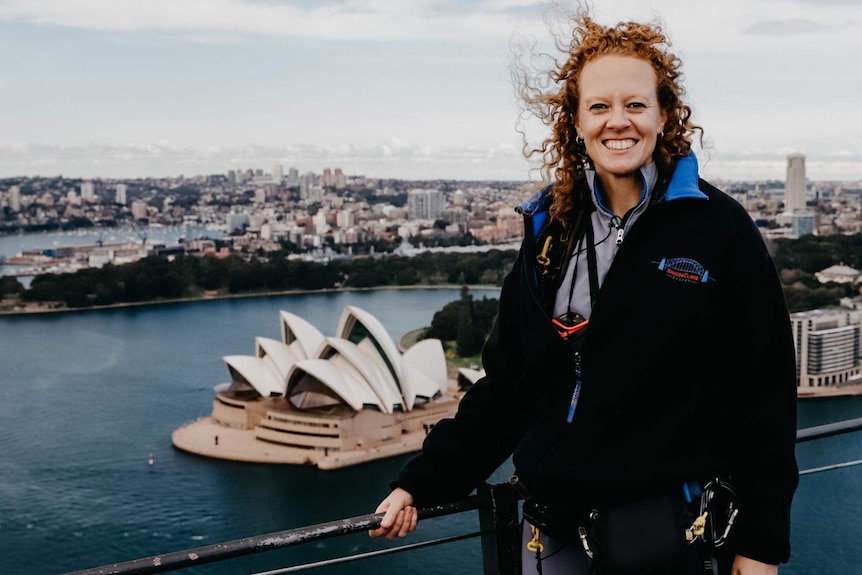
[[697, 527], [543, 258], [535, 545]]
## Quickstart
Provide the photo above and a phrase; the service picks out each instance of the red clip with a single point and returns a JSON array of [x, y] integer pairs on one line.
[[566, 331]]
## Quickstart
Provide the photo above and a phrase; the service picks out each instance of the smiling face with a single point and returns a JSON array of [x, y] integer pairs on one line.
[[619, 117]]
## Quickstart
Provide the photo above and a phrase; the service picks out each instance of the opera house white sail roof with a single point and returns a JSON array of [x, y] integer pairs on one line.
[[329, 401], [360, 367]]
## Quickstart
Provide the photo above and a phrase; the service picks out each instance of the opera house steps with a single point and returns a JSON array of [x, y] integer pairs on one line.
[[327, 401]]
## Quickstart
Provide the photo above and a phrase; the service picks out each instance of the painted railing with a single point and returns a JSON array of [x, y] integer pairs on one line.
[[499, 530]]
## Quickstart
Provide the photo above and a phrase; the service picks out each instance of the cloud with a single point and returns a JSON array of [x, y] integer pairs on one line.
[[430, 20], [394, 159], [388, 160], [771, 164], [792, 27]]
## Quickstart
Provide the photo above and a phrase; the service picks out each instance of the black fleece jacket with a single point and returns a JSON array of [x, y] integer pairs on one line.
[[688, 371]]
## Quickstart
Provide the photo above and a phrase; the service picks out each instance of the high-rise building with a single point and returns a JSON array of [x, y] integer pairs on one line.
[[120, 197], [425, 204], [15, 199], [795, 187], [88, 191], [292, 177], [277, 174], [340, 180]]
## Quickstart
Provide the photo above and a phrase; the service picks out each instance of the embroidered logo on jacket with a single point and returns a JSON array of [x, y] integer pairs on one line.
[[684, 270]]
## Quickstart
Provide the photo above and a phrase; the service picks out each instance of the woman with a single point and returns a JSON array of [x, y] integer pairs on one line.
[[642, 353]]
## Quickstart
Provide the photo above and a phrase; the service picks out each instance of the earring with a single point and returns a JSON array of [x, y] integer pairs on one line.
[[579, 140]]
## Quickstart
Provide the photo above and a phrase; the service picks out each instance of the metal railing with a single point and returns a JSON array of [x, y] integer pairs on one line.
[[499, 529]]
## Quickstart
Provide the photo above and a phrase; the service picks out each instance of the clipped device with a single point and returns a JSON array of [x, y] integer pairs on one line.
[[569, 324]]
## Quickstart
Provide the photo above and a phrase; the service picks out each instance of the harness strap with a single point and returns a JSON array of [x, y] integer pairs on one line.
[[592, 264], [535, 545]]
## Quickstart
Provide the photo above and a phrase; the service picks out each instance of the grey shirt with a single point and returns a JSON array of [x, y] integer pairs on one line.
[[609, 231]]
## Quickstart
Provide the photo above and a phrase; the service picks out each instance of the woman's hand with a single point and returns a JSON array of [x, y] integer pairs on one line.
[[400, 518], [745, 566]]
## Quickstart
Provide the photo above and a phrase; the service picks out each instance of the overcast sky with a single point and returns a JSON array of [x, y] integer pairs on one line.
[[415, 89]]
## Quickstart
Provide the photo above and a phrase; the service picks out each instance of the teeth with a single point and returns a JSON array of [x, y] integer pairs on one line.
[[619, 144]]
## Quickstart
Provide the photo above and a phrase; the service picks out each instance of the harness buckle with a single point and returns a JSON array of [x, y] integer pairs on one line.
[[535, 545]]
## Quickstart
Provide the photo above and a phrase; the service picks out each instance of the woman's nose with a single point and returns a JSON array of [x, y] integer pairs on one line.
[[618, 118]]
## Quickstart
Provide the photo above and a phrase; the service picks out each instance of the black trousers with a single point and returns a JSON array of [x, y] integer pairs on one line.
[[563, 558]]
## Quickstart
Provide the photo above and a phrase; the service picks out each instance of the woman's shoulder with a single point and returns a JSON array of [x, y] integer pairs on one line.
[[726, 213], [539, 202]]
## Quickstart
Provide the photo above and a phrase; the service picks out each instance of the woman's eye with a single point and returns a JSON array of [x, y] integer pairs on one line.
[[598, 107], [637, 105]]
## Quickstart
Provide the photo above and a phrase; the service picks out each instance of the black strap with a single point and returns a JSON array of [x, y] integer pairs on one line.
[[592, 264]]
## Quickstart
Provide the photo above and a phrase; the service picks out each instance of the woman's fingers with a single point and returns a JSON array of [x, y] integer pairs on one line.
[[399, 516], [411, 518]]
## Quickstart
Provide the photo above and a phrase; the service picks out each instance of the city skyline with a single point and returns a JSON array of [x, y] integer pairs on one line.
[[102, 89]]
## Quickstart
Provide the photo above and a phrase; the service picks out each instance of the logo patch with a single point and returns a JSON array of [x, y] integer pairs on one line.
[[684, 270]]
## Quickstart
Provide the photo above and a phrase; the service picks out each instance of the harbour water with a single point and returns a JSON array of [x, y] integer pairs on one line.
[[13, 244], [88, 396]]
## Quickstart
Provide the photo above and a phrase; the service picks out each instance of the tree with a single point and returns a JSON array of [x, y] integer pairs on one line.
[[9, 285], [469, 339]]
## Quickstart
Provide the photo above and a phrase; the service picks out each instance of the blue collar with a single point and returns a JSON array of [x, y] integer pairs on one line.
[[683, 184]]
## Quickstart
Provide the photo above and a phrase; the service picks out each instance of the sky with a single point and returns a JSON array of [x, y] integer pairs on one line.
[[412, 89]]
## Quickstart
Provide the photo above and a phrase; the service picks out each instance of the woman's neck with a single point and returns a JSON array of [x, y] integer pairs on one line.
[[622, 193]]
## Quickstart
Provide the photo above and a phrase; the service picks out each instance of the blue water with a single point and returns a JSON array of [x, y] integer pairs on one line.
[[13, 244], [87, 396]]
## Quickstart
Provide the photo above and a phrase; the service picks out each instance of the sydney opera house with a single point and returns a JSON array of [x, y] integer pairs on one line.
[[327, 401]]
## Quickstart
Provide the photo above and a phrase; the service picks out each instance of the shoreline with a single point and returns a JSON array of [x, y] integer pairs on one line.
[[39, 308]]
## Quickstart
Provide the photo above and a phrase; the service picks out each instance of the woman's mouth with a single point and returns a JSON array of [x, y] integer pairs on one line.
[[619, 144]]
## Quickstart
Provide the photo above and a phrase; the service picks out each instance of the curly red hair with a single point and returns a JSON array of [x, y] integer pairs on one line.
[[553, 98]]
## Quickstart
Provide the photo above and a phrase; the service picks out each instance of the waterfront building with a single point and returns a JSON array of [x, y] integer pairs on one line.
[[139, 210], [327, 401], [828, 349]]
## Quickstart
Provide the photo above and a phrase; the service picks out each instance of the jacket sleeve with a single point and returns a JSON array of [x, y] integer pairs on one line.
[[460, 453], [762, 417]]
